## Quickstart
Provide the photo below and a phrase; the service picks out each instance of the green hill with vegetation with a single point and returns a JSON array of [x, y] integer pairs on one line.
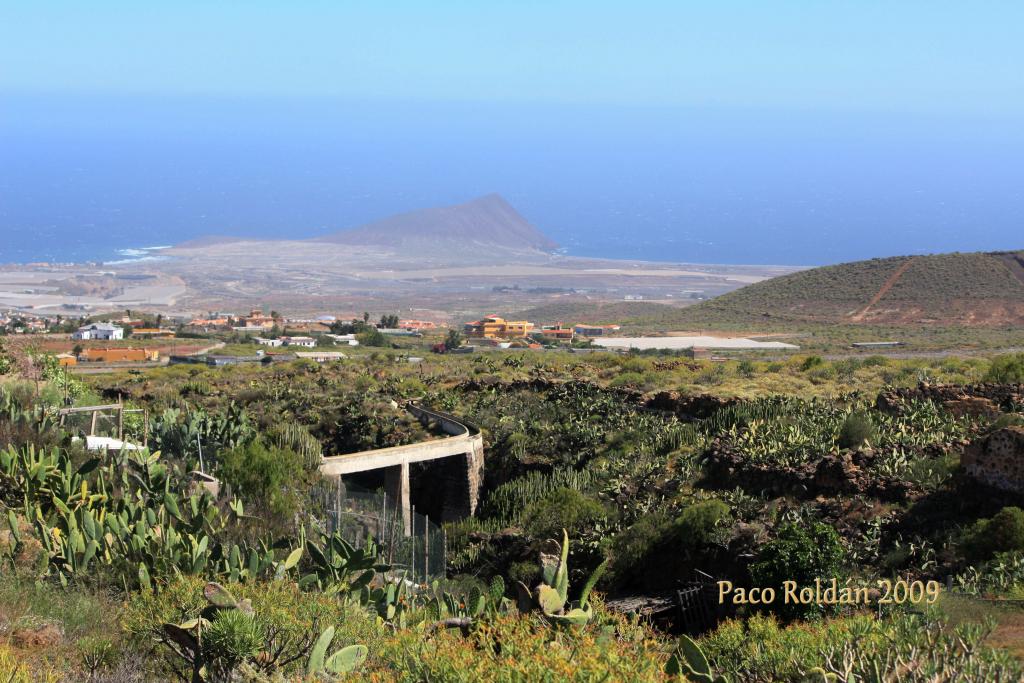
[[946, 289], [625, 313]]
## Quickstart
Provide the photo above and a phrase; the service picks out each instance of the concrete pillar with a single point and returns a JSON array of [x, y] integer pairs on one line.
[[475, 465], [396, 485]]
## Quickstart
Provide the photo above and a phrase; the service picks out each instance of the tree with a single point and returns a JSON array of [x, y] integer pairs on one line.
[[342, 327], [453, 340], [366, 317], [389, 321], [371, 336]]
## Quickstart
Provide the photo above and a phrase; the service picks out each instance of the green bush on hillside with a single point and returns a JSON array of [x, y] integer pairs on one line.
[[799, 553], [372, 337], [1002, 533], [659, 544], [563, 508], [811, 362], [858, 429], [696, 525], [264, 476], [1008, 369]]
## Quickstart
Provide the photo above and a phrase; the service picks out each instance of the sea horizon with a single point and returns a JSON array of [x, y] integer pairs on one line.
[[86, 177]]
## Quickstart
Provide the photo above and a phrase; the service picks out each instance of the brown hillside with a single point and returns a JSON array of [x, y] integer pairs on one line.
[[985, 290], [488, 221]]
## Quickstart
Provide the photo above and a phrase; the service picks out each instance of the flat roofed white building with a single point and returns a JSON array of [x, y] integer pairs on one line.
[[104, 331], [307, 342]]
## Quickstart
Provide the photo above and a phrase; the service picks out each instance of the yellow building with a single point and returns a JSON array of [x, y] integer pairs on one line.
[[493, 327]]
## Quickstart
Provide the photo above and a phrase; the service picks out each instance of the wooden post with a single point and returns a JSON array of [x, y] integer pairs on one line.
[[92, 424], [145, 428], [120, 418]]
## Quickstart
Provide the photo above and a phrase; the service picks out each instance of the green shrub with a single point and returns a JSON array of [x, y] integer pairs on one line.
[[811, 362], [628, 379], [857, 430], [287, 622], [800, 553], [264, 476], [1002, 533], [659, 546], [903, 647], [696, 525], [563, 508], [233, 637], [633, 365], [372, 337], [1008, 369], [631, 547], [822, 374]]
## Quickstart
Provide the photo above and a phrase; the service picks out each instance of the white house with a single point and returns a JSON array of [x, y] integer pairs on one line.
[[307, 342], [273, 343], [104, 331], [343, 339], [321, 356]]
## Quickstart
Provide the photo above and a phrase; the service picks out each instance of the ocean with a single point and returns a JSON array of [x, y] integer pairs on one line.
[[115, 178]]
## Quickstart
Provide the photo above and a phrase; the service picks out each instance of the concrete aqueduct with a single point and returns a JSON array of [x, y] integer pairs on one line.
[[457, 478]]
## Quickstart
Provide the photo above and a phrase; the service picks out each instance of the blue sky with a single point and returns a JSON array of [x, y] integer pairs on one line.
[[905, 56], [773, 131]]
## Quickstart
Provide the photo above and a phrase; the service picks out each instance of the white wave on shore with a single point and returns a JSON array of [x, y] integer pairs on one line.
[[138, 254]]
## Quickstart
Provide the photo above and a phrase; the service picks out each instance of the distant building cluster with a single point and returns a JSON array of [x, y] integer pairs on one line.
[[22, 323], [494, 327]]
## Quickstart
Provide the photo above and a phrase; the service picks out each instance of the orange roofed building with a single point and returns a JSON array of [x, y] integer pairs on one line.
[[494, 327], [118, 355], [256, 318], [152, 332], [209, 322]]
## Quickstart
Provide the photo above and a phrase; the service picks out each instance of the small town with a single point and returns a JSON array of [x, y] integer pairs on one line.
[[224, 338]]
